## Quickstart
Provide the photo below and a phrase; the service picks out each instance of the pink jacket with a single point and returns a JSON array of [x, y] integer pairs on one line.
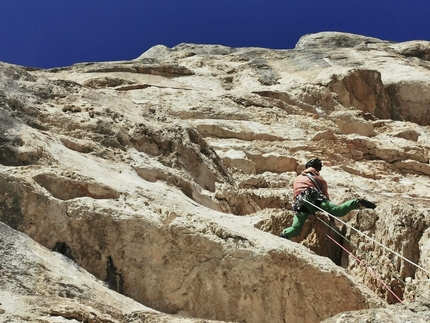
[[303, 181]]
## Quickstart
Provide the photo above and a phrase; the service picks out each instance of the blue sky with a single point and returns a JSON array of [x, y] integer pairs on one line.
[[54, 33]]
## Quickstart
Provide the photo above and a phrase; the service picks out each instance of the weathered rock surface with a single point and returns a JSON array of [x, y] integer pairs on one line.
[[169, 178], [38, 285], [395, 314]]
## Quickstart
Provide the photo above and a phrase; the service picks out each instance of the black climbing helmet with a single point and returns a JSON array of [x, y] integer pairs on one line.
[[315, 163]]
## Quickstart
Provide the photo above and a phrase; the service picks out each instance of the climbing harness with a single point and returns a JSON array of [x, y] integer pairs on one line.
[[310, 194]]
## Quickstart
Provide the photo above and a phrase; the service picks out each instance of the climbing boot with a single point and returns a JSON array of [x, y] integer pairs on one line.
[[284, 236], [365, 203]]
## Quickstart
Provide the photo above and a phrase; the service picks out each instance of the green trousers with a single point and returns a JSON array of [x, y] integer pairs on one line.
[[301, 217]]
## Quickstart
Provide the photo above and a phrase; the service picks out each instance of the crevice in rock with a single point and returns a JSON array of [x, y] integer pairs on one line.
[[114, 278], [66, 189], [64, 249]]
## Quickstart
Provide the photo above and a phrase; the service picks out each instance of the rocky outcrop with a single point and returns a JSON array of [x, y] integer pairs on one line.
[[414, 313], [169, 178], [39, 285]]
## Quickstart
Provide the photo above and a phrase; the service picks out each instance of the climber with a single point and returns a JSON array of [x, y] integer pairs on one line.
[[311, 186]]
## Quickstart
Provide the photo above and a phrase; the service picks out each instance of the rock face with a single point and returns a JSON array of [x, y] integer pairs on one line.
[[39, 285], [168, 178]]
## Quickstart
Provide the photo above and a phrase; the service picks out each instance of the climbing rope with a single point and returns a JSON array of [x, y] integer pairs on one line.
[[369, 257], [375, 241], [369, 269]]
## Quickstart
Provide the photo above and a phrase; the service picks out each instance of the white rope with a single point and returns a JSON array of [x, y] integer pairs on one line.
[[380, 244]]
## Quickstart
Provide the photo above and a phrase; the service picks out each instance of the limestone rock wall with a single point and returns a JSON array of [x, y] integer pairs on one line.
[[43, 286], [169, 176]]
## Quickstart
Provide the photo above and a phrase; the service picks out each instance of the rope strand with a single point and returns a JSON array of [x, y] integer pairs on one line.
[[361, 262], [370, 258], [378, 243], [367, 267]]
